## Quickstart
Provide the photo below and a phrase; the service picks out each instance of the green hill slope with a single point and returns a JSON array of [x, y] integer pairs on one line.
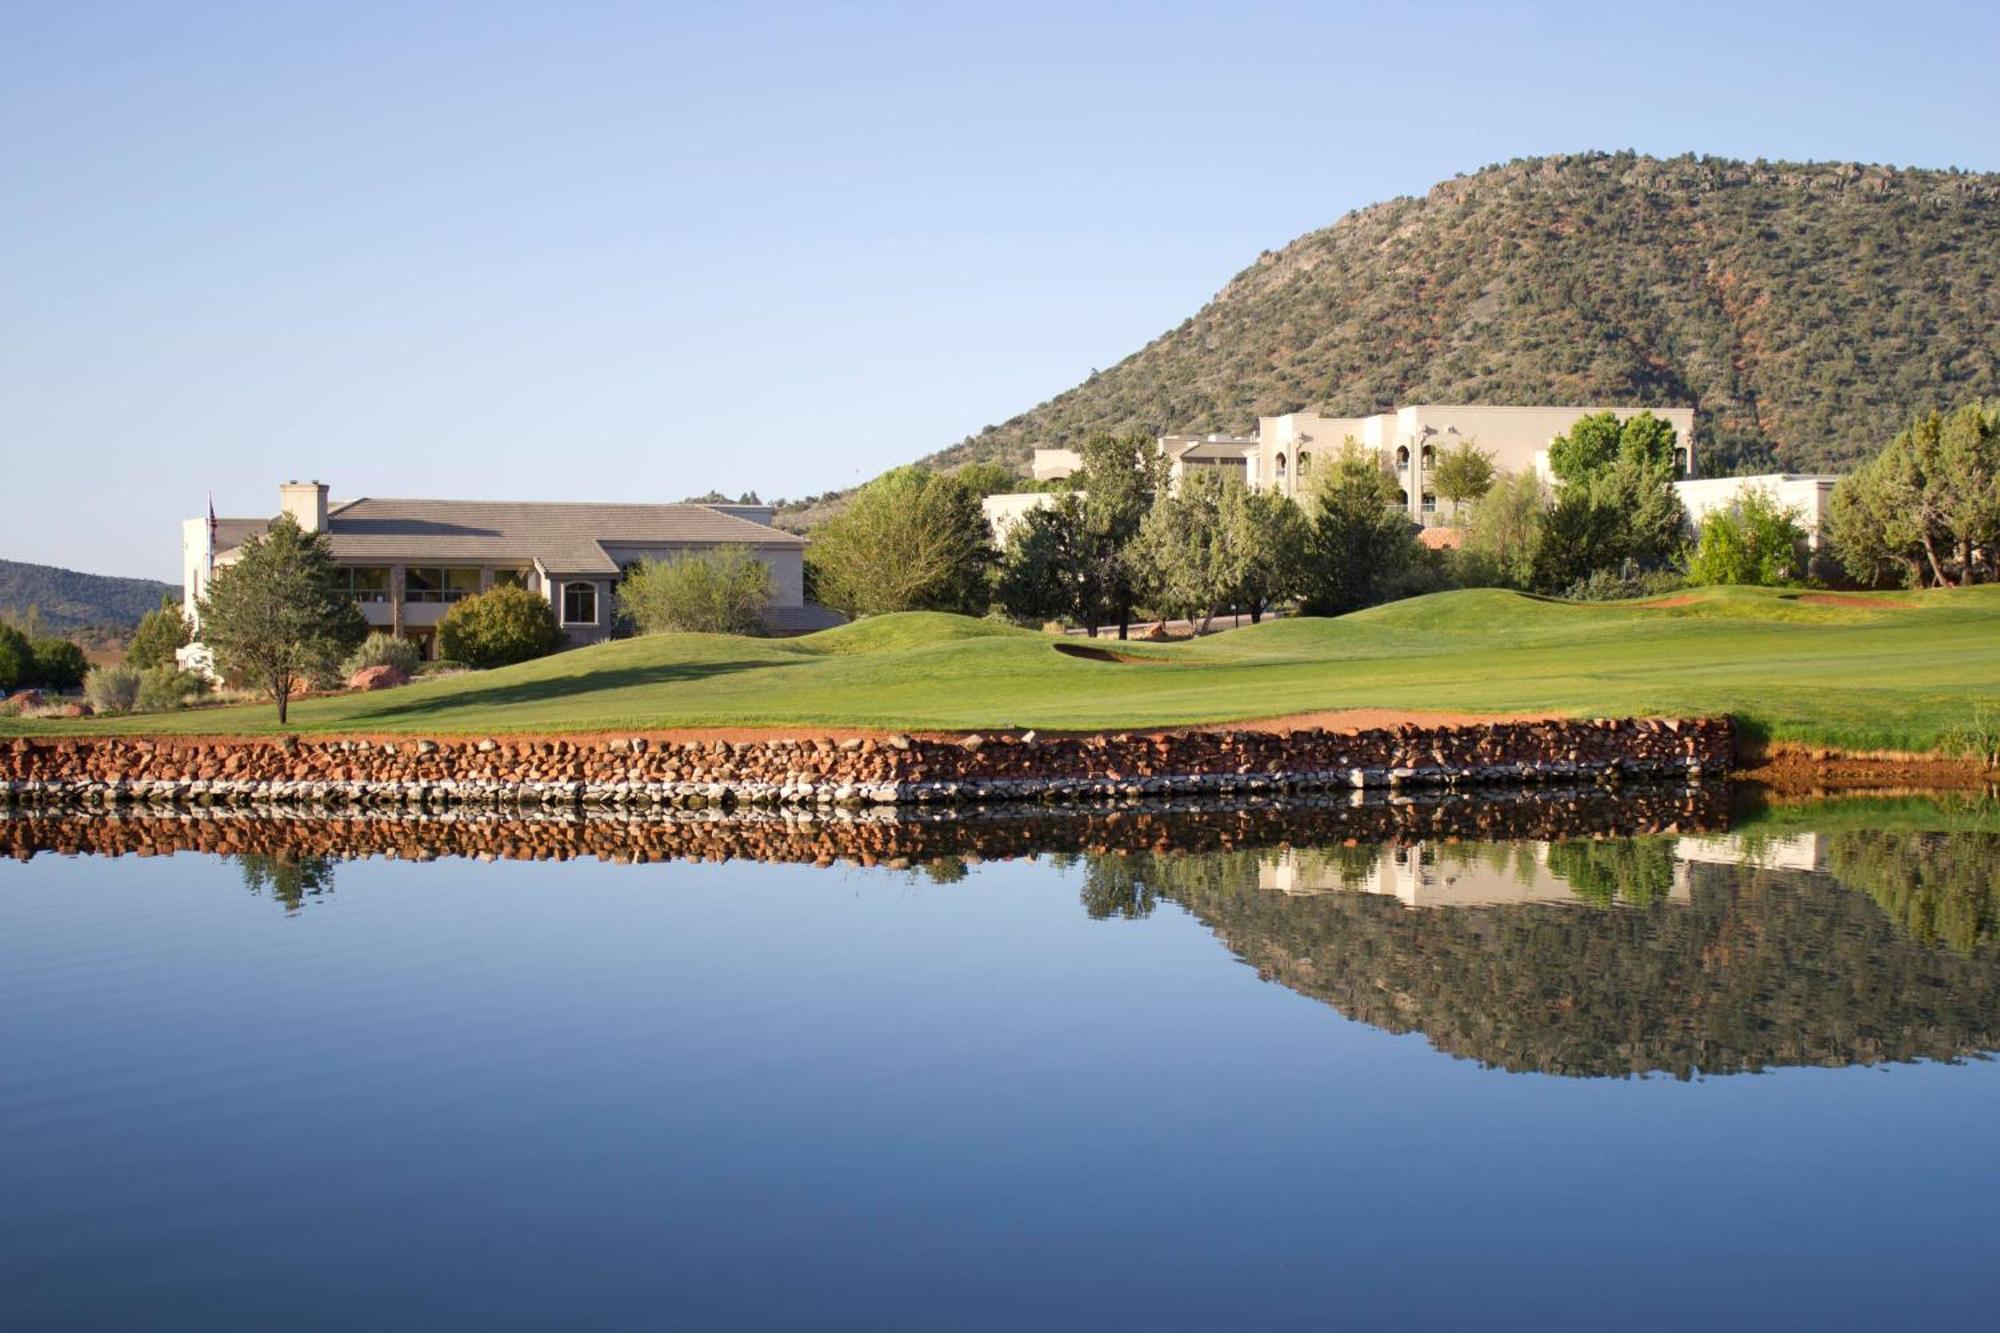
[[1805, 310], [68, 600]]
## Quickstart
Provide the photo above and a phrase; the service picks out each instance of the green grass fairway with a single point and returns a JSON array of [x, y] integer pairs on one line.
[[1895, 672]]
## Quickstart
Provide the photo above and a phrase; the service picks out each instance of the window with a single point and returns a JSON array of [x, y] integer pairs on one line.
[[579, 603], [1403, 499], [1430, 503], [433, 583], [1281, 467], [1305, 462], [510, 578], [1402, 455], [1430, 456], [366, 583]]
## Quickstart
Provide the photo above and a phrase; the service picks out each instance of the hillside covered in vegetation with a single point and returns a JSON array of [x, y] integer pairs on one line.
[[1805, 310], [65, 600]]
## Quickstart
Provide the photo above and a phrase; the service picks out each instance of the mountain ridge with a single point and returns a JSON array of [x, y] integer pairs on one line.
[[1805, 310], [67, 599]]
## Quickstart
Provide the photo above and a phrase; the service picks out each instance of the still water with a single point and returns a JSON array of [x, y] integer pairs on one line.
[[1229, 1071]]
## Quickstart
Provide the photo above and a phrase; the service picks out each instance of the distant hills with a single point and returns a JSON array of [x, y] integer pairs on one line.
[[1805, 310], [68, 600]]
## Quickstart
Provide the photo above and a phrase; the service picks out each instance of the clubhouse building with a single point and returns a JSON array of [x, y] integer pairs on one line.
[[408, 561]]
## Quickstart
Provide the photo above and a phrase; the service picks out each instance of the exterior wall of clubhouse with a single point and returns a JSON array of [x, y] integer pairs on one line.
[[408, 561]]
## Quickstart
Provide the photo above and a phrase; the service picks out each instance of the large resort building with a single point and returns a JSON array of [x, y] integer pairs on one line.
[[408, 561], [1409, 442]]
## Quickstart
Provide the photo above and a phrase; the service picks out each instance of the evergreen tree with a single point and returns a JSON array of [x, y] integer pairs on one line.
[[1358, 538], [160, 632]]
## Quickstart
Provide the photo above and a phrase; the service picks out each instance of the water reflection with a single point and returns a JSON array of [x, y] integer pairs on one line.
[[1685, 955], [1584, 933]]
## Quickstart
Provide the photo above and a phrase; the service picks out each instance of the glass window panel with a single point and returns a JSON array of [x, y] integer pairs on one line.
[[580, 603]]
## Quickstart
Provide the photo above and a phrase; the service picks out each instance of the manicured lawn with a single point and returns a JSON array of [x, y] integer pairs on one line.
[[1896, 672]]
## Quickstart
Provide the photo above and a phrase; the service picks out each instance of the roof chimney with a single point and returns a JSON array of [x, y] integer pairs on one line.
[[305, 501]]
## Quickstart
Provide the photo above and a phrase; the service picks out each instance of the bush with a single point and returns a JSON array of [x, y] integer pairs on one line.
[[1624, 583], [384, 650], [1755, 541], [17, 658], [724, 591], [112, 689], [499, 627], [443, 666], [58, 664], [164, 688]]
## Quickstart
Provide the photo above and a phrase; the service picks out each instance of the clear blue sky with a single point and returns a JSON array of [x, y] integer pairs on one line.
[[637, 251]]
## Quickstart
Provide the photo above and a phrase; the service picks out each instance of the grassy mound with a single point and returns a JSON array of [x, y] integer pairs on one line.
[[1896, 673]]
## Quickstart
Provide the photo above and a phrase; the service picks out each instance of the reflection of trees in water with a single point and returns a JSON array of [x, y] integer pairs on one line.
[[1758, 969], [1633, 871], [288, 879], [1940, 887]]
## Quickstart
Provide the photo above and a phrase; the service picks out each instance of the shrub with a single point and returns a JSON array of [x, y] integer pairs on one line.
[[17, 658], [499, 627], [1624, 583], [160, 632], [1754, 541], [724, 591], [380, 649], [112, 689], [443, 666], [58, 664], [164, 688]]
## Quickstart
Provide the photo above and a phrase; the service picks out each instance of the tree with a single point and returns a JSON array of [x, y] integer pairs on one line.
[[1928, 504], [1576, 537], [1358, 539], [723, 591], [1595, 442], [1186, 564], [1048, 571], [59, 664], [1119, 478], [499, 627], [1266, 535], [1755, 541], [1501, 540], [984, 479], [160, 632], [1464, 472], [277, 615], [1617, 501], [910, 540], [17, 657]]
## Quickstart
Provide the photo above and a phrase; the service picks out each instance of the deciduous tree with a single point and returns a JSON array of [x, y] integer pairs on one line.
[[724, 591], [910, 540], [278, 615]]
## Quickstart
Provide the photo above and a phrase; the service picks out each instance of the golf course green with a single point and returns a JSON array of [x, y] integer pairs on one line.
[[1903, 671]]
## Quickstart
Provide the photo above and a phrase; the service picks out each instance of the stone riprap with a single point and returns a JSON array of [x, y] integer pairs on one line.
[[654, 773], [897, 837]]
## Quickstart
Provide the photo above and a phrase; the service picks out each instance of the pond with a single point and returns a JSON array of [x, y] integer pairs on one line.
[[1665, 1060]]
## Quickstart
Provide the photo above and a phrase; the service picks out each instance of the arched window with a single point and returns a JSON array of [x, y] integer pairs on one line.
[[1403, 457], [1281, 467], [1305, 462], [1430, 456], [1403, 499], [579, 603], [1430, 503]]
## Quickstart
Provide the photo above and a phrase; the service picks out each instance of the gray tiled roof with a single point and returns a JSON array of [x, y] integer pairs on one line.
[[565, 538]]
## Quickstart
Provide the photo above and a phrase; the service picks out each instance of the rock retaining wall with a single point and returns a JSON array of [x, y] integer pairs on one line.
[[894, 837], [649, 773]]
